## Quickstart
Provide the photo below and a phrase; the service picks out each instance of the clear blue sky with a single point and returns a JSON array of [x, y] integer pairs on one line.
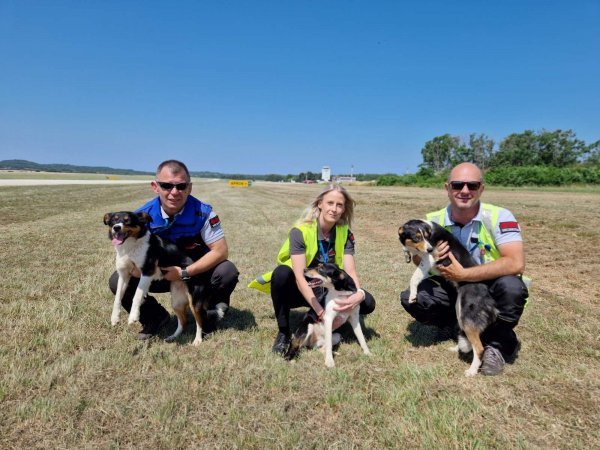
[[288, 86]]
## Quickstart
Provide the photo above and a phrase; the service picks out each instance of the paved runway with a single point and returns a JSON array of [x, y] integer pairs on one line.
[[24, 182]]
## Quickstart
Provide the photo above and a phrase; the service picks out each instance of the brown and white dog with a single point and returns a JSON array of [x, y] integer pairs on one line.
[[137, 248], [339, 285], [475, 308]]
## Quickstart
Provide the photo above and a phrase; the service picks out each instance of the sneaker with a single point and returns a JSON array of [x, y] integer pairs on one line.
[[281, 344], [219, 312], [492, 361], [150, 329]]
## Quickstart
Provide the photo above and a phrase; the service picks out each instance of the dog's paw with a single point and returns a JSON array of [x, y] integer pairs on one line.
[[114, 320], [170, 338], [412, 300], [470, 372], [132, 320], [197, 342], [454, 349], [329, 363], [368, 353]]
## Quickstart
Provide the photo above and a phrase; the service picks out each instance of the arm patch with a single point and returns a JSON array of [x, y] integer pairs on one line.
[[214, 221], [509, 227]]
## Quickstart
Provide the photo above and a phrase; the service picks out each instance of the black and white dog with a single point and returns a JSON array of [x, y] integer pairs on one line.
[[137, 248], [475, 308], [338, 285]]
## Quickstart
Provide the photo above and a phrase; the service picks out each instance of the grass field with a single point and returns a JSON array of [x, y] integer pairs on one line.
[[70, 380]]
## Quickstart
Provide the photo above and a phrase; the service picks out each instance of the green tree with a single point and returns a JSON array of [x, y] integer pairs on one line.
[[481, 150], [517, 149], [559, 148], [591, 156], [547, 148], [438, 153]]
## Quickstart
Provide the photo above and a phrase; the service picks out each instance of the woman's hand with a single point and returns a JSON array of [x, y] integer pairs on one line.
[[349, 303]]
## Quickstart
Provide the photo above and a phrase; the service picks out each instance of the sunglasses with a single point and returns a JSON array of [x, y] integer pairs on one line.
[[168, 186], [459, 185]]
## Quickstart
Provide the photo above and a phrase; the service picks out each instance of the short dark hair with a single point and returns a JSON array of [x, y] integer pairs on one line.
[[175, 167]]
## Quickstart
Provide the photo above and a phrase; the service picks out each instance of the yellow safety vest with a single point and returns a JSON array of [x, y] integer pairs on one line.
[[310, 234], [489, 219], [487, 243]]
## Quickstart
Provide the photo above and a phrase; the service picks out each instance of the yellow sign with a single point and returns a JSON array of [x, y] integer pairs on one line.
[[239, 183]]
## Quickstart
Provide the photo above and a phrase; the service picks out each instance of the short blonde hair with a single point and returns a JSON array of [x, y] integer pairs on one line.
[[313, 211]]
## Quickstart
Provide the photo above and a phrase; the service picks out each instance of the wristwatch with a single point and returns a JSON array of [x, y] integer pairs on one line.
[[184, 275]]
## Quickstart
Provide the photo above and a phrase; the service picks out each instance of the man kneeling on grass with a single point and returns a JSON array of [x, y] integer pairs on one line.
[[493, 237]]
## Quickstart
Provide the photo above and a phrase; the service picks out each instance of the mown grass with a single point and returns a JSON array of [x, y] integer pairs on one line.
[[70, 380]]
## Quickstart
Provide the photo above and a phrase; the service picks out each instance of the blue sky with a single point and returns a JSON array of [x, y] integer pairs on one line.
[[288, 86]]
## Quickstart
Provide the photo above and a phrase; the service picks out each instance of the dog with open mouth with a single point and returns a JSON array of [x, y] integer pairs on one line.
[[338, 285], [137, 249]]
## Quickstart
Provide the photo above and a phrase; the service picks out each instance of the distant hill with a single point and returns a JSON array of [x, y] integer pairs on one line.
[[21, 164]]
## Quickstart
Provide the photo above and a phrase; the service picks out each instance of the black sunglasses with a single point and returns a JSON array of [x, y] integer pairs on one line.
[[459, 185], [169, 186]]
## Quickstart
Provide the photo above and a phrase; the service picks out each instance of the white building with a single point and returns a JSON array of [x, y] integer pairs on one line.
[[326, 173]]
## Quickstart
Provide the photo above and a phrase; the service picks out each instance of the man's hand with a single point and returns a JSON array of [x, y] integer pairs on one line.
[[171, 273], [453, 272], [442, 249]]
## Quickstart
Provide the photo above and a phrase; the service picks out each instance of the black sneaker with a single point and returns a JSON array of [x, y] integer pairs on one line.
[[219, 312], [281, 344], [492, 362], [151, 329]]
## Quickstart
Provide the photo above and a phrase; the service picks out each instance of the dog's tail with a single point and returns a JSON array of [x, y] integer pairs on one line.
[[300, 338]]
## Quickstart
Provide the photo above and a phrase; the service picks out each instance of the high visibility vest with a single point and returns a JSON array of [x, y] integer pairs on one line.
[[486, 241], [310, 234]]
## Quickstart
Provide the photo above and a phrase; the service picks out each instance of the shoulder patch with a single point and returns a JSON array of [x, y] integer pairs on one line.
[[214, 221], [509, 227], [351, 237]]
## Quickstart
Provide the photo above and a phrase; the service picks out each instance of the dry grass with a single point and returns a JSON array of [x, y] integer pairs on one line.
[[70, 380]]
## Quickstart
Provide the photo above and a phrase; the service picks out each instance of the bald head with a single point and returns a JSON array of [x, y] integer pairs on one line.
[[466, 171]]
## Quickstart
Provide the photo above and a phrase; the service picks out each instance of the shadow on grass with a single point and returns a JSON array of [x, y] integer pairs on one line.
[[236, 319], [420, 335]]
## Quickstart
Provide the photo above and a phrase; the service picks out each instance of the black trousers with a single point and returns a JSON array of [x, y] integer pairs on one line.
[[217, 284], [286, 295], [436, 299]]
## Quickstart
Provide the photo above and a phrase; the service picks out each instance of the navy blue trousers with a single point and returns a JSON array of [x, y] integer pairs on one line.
[[217, 283], [436, 299]]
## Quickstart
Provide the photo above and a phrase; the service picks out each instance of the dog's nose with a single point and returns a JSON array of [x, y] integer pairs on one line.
[[117, 228]]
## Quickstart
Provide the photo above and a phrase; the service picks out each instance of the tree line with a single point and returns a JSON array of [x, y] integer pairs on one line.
[[529, 158]]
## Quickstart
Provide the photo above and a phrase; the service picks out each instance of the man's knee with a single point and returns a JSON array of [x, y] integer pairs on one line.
[[510, 294], [226, 274], [426, 309]]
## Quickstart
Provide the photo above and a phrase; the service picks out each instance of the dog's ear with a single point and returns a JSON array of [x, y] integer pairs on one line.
[[144, 217], [107, 217]]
